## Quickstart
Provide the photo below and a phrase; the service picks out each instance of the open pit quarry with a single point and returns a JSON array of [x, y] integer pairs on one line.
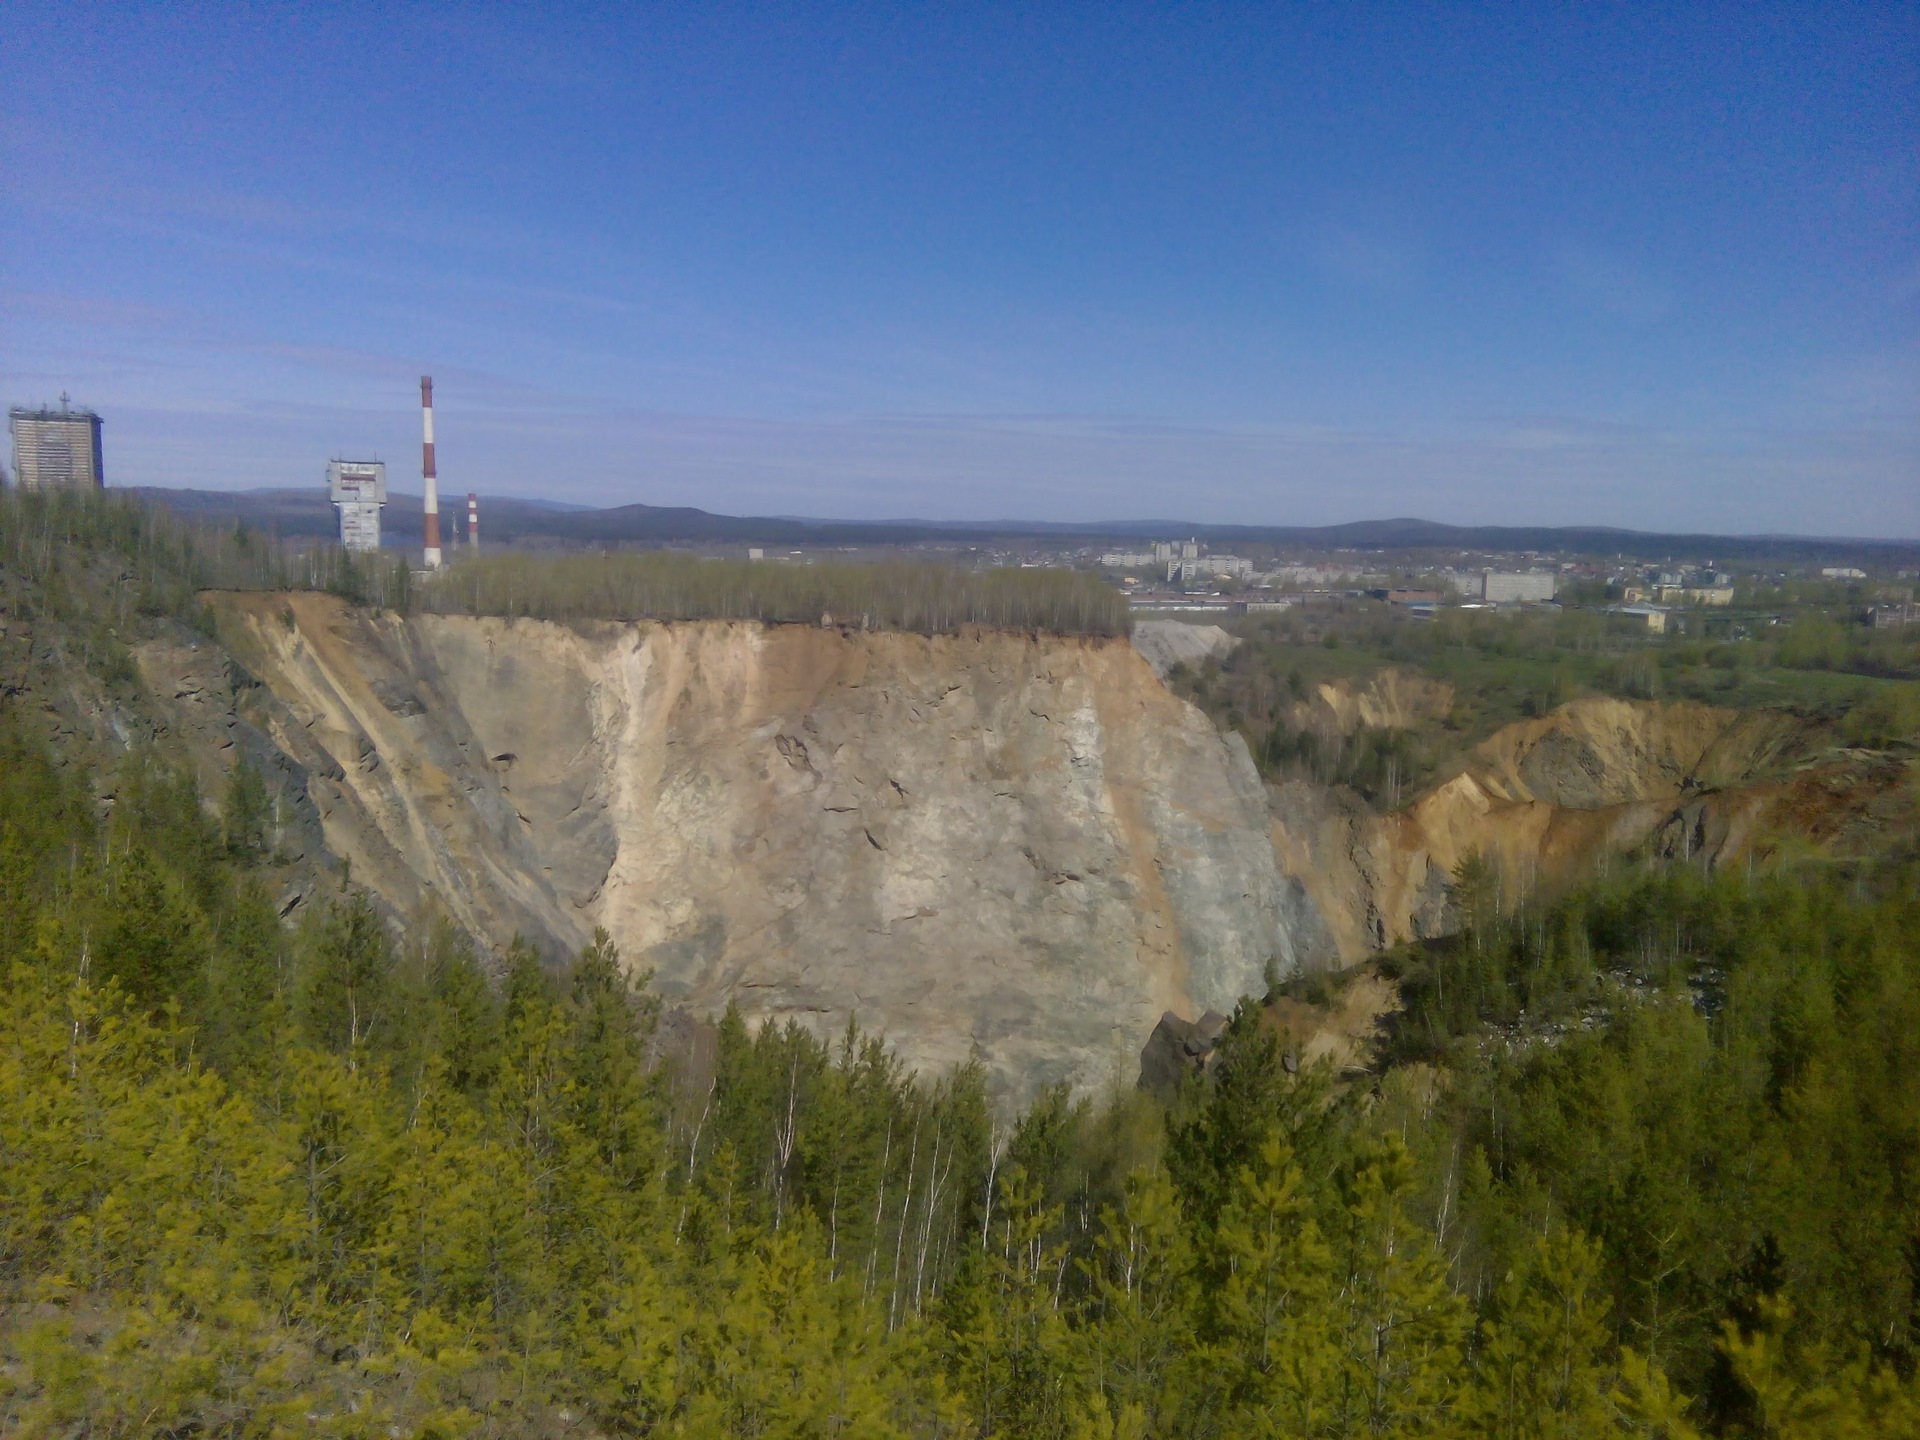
[[995, 846], [1015, 849]]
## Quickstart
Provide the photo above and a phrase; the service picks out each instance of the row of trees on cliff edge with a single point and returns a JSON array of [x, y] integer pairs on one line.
[[349, 1180], [927, 599], [160, 563], [76, 548]]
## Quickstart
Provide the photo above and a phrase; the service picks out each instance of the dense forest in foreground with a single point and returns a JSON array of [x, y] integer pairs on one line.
[[1644, 1165], [1637, 1161]]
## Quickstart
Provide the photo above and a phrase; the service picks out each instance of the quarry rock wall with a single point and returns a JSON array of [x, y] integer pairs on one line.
[[997, 846], [1005, 847]]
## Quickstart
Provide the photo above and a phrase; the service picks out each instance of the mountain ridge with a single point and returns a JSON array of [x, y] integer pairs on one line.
[[306, 512]]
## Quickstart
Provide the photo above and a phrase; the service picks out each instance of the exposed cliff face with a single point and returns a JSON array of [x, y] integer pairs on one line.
[[1167, 643], [1546, 800], [1022, 849], [1389, 699]]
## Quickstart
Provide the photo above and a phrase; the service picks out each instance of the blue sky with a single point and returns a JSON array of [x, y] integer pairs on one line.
[[1655, 266]]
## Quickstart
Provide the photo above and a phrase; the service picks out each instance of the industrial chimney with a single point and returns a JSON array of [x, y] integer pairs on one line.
[[473, 522], [428, 474]]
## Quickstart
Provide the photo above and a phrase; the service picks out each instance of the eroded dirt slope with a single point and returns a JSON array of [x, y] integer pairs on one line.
[[1551, 799]]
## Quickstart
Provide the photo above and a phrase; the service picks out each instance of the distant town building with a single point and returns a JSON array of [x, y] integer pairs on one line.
[[56, 449], [1516, 587], [1127, 560], [1890, 617], [358, 488], [1651, 616], [1842, 572], [1693, 594], [1317, 576]]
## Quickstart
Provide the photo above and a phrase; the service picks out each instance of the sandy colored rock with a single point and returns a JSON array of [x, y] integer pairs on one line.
[[995, 845], [1167, 643], [1389, 699], [1017, 848], [1549, 800]]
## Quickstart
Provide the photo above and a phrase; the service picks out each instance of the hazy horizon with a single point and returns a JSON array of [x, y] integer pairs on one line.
[[1648, 270]]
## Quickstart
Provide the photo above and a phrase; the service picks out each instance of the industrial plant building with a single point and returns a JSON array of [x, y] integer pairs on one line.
[[358, 488], [55, 449]]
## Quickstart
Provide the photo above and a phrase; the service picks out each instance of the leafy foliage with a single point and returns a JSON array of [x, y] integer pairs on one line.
[[103, 559]]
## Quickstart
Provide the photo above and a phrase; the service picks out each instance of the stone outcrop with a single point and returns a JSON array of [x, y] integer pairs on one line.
[[1021, 849], [1178, 1048], [1167, 643]]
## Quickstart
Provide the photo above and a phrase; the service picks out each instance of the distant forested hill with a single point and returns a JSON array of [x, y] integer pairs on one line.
[[306, 512]]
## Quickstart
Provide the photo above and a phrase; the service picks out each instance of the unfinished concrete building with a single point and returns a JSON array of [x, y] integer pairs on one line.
[[56, 449], [358, 488]]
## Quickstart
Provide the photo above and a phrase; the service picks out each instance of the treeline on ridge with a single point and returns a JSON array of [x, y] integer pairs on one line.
[[928, 599], [165, 561], [51, 539]]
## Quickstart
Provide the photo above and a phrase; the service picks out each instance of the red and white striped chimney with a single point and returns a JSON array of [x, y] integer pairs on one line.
[[473, 522], [429, 474]]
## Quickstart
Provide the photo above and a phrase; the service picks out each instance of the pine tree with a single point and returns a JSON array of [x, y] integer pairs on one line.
[[1141, 1330], [347, 971], [1275, 1334], [1016, 1365], [1403, 1327], [461, 1015], [613, 1093], [150, 940], [245, 991], [1541, 1362], [245, 811]]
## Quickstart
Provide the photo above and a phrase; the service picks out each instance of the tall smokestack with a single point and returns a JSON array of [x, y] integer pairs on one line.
[[428, 474], [473, 522]]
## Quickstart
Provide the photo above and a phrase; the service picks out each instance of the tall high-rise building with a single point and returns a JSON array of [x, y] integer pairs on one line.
[[53, 448], [358, 488]]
